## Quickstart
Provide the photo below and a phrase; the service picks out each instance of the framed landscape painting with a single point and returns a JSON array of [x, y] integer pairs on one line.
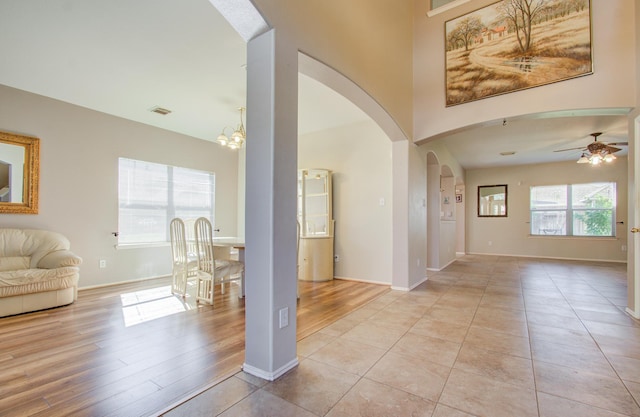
[[516, 44]]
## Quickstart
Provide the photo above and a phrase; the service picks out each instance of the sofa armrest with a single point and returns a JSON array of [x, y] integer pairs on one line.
[[59, 259]]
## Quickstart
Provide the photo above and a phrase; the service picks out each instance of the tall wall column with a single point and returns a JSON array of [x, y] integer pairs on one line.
[[270, 210]]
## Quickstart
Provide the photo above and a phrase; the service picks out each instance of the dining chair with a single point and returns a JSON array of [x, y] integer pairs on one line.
[[212, 271], [185, 264]]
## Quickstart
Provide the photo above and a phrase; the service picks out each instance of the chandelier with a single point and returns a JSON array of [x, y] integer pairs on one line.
[[238, 136]]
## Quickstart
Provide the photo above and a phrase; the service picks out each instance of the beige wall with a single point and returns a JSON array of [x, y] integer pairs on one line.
[[607, 87], [79, 151], [368, 41], [510, 235], [360, 157]]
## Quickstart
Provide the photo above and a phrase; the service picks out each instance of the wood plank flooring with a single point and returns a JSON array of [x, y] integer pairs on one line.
[[113, 353]]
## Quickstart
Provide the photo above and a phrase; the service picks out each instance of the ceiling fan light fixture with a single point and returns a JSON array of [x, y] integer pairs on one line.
[[583, 159], [609, 158]]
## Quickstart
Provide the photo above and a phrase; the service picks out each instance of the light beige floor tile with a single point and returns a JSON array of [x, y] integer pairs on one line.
[[585, 387], [264, 404], [614, 317], [371, 399], [413, 375], [375, 335], [634, 389], [498, 342], [353, 357], [461, 316], [570, 337], [576, 357], [485, 396], [627, 368], [427, 348], [312, 385], [214, 400], [502, 320], [552, 406], [362, 314], [312, 343], [497, 366], [440, 330], [340, 327], [444, 411], [395, 319], [555, 320], [253, 380]]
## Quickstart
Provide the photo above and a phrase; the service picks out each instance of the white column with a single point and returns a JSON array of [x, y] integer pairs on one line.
[[400, 184], [271, 163]]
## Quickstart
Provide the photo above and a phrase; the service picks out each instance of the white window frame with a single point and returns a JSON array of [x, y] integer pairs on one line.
[[166, 205], [569, 212]]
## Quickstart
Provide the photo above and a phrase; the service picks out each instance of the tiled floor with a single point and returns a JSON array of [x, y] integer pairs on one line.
[[488, 336]]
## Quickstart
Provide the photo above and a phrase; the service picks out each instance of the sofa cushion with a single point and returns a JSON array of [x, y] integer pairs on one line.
[[28, 281], [13, 263], [31, 242]]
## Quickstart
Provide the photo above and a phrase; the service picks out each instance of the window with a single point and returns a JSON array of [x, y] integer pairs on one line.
[[574, 210], [150, 195]]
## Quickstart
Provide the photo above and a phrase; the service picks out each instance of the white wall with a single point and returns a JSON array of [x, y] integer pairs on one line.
[[360, 157], [79, 151], [510, 235]]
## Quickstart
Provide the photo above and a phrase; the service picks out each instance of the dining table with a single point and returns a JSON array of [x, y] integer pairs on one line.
[[228, 243]]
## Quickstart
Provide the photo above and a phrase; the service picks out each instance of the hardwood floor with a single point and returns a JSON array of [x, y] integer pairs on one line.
[[134, 349]]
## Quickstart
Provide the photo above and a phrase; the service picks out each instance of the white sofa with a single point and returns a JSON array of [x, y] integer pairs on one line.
[[37, 271]]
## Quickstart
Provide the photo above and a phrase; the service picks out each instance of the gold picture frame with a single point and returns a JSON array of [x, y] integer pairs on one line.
[[500, 49], [19, 173]]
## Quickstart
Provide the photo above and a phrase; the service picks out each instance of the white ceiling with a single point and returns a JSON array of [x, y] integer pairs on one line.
[[124, 57]]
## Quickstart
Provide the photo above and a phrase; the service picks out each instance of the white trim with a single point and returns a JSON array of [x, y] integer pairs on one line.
[[549, 257], [410, 288], [366, 281], [110, 284], [270, 376], [634, 314], [459, 254], [446, 7]]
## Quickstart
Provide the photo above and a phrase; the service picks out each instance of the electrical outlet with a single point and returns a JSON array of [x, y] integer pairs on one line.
[[336, 258], [624, 248], [284, 317], [103, 263]]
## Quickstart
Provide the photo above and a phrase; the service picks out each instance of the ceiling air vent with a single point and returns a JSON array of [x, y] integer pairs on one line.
[[160, 110]]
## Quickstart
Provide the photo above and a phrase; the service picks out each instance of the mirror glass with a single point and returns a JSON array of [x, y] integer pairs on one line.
[[19, 173], [492, 201]]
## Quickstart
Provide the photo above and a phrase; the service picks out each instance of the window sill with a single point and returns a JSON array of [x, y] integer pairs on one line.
[[562, 237], [125, 246]]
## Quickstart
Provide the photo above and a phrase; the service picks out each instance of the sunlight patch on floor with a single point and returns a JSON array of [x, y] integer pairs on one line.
[[145, 305]]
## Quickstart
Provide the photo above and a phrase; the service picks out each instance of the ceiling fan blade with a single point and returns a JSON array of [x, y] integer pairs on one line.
[[571, 149], [613, 149], [618, 143]]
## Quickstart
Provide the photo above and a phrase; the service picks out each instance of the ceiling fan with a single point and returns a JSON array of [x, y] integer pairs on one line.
[[597, 151]]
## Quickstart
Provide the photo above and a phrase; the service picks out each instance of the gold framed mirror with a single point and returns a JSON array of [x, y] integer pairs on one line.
[[492, 200], [19, 173]]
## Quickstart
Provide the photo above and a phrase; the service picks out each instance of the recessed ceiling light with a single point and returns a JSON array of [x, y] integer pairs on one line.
[[507, 153], [160, 110]]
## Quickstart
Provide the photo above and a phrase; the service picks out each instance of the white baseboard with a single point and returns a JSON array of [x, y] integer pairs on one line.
[[634, 314], [510, 255], [366, 281], [110, 284], [269, 376], [407, 289]]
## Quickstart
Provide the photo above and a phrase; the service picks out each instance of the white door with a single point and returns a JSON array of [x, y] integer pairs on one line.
[[633, 264]]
